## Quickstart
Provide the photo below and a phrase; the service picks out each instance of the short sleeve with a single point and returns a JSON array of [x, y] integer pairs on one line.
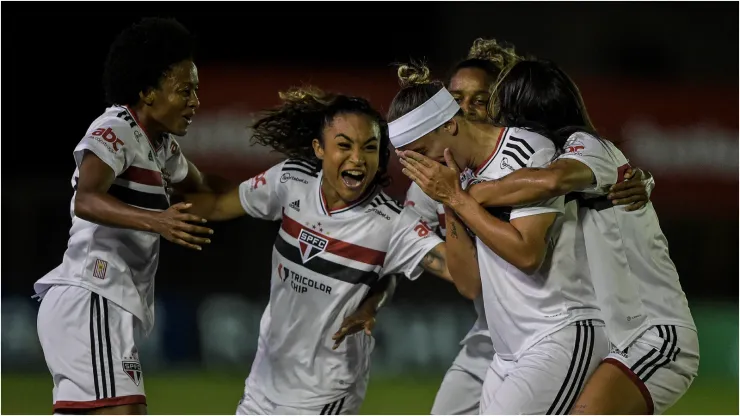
[[411, 240], [539, 159], [603, 161], [423, 205], [176, 163], [261, 197], [111, 142]]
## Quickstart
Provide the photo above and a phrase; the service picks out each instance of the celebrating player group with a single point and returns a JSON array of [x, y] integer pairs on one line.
[[516, 200]]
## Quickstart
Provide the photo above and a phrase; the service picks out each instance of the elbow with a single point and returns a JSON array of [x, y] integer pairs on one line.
[[470, 291], [529, 263], [555, 185], [82, 205]]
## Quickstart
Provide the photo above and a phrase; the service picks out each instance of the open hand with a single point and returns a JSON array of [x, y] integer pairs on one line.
[[174, 225], [362, 319], [631, 191]]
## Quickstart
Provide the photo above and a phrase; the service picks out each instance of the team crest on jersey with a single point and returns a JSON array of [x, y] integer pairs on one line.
[[132, 369], [311, 245], [99, 269]]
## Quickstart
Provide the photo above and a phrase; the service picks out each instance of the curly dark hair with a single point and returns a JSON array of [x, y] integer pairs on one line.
[[141, 55], [302, 116]]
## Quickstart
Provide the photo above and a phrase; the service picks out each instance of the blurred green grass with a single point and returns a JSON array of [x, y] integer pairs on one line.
[[214, 393]]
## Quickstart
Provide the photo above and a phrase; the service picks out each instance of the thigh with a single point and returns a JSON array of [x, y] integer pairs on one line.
[[548, 377], [459, 394], [89, 347], [460, 391]]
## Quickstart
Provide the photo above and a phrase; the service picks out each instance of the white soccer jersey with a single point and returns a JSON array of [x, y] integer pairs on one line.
[[522, 309], [635, 279], [116, 263], [324, 263], [433, 213]]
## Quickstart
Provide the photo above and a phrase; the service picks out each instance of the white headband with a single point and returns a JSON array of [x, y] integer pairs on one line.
[[433, 113]]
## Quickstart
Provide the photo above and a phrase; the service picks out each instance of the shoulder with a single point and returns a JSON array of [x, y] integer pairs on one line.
[[531, 142], [297, 172], [115, 126], [384, 207]]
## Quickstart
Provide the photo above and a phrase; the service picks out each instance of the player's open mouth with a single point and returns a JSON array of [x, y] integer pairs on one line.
[[353, 179], [188, 119]]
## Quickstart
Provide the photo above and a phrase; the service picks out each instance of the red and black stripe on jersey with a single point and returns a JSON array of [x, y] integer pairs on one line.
[[337, 247], [141, 176]]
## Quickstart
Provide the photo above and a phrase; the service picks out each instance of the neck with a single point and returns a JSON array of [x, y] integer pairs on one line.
[[147, 123], [331, 196], [334, 201], [483, 139]]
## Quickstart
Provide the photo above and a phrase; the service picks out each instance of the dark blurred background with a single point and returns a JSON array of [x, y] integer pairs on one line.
[[659, 78]]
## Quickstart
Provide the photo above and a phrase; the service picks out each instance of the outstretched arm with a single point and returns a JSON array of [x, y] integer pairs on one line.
[[216, 206], [364, 317], [529, 185]]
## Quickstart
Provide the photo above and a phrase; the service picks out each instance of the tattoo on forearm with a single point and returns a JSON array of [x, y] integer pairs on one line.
[[453, 229], [434, 262]]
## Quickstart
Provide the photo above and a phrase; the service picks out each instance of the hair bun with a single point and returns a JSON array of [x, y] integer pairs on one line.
[[502, 55], [303, 94], [413, 74]]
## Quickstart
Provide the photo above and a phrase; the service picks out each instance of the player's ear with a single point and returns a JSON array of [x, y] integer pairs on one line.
[[451, 127], [147, 96], [318, 150]]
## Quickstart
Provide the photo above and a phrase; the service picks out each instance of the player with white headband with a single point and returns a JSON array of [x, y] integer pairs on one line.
[[655, 352], [539, 302]]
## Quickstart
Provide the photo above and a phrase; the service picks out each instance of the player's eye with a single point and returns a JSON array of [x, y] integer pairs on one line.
[[371, 147], [344, 145]]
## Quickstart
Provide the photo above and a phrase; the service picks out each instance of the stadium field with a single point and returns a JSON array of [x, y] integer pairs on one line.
[[213, 393]]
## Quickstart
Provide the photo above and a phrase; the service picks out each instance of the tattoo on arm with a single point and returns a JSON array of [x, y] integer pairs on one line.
[[434, 262], [453, 230]]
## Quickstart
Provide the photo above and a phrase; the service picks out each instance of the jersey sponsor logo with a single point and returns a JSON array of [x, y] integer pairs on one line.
[[296, 205], [379, 212], [138, 135], [574, 147], [288, 177], [423, 229], [174, 149], [299, 283], [505, 164], [109, 137], [99, 269], [132, 368], [311, 245], [259, 180], [409, 203]]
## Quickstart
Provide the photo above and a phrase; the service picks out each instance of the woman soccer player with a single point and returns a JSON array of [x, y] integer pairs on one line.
[[340, 234], [539, 302], [655, 353]]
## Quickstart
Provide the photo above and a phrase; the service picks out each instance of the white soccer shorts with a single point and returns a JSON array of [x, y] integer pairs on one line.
[[549, 376], [89, 347], [461, 387], [254, 402], [662, 362]]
